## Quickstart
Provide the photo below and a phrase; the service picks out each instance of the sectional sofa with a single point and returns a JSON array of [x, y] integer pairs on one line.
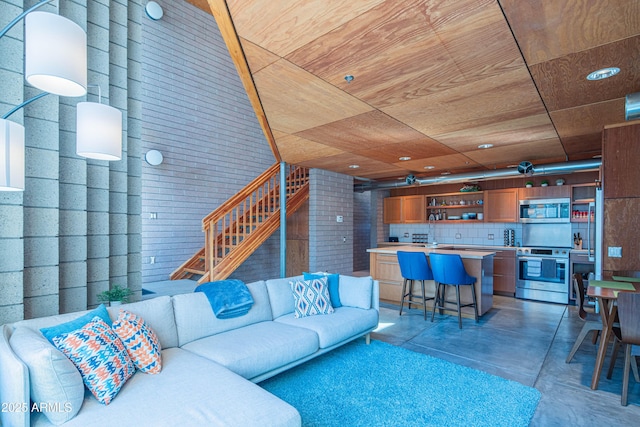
[[209, 365]]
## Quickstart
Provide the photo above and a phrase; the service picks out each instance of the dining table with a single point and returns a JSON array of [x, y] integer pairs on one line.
[[606, 293]]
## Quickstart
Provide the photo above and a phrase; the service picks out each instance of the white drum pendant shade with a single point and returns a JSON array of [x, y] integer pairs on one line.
[[11, 156], [99, 131], [55, 54]]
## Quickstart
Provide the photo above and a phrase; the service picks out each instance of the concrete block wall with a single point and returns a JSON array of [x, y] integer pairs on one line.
[[330, 242], [197, 114], [67, 236]]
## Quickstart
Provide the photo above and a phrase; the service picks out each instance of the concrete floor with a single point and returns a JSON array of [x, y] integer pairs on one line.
[[528, 342], [524, 341]]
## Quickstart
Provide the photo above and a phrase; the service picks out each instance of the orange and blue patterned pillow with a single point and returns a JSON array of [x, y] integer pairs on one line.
[[100, 356], [140, 340], [311, 297]]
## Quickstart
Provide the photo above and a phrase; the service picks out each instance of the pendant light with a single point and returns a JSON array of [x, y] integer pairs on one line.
[[99, 131], [55, 54], [11, 156]]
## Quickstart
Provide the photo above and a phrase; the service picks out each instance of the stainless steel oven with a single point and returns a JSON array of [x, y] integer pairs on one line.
[[542, 265], [543, 274]]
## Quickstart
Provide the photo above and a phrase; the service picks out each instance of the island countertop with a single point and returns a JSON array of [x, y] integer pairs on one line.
[[384, 267], [444, 249]]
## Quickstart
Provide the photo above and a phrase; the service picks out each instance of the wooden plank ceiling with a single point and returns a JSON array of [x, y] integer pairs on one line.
[[433, 79]]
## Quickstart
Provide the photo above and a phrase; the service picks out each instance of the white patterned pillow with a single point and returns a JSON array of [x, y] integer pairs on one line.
[[100, 357], [311, 297], [140, 340]]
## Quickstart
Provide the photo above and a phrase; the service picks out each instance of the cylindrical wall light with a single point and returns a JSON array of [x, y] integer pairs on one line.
[[632, 106], [99, 131], [11, 156], [55, 54]]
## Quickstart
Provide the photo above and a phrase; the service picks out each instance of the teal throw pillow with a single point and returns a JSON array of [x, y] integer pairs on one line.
[[65, 328], [333, 280]]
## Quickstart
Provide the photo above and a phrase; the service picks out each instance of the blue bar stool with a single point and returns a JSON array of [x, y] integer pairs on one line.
[[448, 270], [414, 266]]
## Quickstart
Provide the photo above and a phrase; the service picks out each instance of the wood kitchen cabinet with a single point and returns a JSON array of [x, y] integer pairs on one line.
[[504, 273], [404, 209], [548, 192], [501, 205]]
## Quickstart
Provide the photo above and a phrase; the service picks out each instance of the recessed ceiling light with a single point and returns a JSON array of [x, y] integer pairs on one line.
[[512, 166], [446, 173], [404, 158], [485, 145], [349, 78], [603, 73], [597, 156], [429, 167], [354, 166]]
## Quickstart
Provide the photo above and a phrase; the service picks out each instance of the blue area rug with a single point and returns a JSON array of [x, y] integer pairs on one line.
[[384, 385]]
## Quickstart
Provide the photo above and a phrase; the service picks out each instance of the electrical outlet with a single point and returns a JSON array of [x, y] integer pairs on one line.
[[339, 218], [152, 260], [153, 215], [614, 251], [406, 234], [458, 236], [490, 236]]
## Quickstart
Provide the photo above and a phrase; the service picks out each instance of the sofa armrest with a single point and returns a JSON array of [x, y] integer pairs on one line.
[[375, 295], [14, 385]]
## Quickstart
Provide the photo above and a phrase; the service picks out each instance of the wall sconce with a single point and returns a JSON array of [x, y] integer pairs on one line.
[[154, 10], [154, 157]]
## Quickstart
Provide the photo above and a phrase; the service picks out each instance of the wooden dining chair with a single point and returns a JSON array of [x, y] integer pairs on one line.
[[591, 321], [627, 333]]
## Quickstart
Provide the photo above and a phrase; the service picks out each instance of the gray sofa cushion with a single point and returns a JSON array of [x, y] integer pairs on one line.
[[158, 314], [258, 348], [280, 295], [342, 324], [195, 319], [190, 391]]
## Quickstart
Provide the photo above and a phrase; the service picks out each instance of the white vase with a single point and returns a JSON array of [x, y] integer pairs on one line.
[[115, 303]]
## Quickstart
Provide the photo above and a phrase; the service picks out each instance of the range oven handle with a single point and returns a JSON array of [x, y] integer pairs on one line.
[[527, 258]]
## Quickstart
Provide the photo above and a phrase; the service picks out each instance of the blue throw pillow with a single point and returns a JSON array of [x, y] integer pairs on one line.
[[333, 280], [64, 328]]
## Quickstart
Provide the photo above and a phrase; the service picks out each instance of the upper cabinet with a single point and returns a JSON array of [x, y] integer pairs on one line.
[[404, 209], [501, 205], [547, 192]]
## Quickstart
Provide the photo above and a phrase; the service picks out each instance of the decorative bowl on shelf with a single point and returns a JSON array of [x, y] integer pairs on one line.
[[560, 181], [453, 217]]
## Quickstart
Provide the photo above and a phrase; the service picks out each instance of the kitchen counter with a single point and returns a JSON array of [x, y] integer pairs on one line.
[[384, 268]]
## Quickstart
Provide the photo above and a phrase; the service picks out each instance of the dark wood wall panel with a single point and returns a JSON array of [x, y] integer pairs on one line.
[[621, 159]]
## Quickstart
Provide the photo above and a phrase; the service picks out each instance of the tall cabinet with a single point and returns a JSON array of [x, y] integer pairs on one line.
[[621, 186]]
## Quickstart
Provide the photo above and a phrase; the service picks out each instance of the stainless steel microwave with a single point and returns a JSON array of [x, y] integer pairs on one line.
[[545, 210]]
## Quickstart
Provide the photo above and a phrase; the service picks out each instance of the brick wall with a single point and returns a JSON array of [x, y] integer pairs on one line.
[[330, 242], [196, 112]]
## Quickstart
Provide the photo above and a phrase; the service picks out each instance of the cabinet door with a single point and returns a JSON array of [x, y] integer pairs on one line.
[[414, 209], [392, 211], [501, 205], [504, 272]]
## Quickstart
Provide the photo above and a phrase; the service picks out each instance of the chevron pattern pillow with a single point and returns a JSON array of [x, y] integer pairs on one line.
[[311, 297], [140, 340], [100, 357]]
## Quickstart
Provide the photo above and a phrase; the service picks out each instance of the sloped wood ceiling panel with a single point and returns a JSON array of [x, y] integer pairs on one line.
[[434, 79]]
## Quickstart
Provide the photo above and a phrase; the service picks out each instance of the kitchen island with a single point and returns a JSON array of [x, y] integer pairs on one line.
[[384, 267]]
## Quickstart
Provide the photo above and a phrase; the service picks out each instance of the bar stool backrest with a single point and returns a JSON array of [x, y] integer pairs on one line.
[[449, 269], [414, 265]]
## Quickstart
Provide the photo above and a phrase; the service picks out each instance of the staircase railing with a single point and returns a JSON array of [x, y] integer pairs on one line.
[[240, 225]]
